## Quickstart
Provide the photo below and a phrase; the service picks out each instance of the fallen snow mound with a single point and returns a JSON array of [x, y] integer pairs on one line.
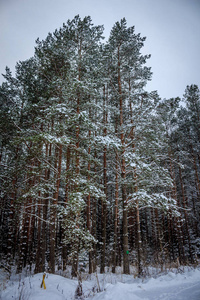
[[172, 286], [57, 288]]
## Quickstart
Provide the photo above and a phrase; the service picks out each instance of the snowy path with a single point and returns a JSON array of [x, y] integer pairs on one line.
[[179, 291], [172, 286]]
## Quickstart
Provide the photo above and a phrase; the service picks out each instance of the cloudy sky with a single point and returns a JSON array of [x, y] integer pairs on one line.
[[172, 28]]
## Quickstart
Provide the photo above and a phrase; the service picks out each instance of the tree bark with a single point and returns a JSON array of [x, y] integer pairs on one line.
[[126, 268], [103, 203], [54, 212]]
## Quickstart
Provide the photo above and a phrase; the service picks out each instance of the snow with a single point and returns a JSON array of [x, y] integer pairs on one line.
[[182, 284], [167, 287]]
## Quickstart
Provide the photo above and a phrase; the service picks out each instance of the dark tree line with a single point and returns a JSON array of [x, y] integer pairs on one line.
[[92, 165]]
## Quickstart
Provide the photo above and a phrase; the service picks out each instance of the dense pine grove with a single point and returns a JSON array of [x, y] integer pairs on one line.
[[93, 167]]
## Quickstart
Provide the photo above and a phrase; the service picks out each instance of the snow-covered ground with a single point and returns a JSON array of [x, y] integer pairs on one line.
[[180, 285]]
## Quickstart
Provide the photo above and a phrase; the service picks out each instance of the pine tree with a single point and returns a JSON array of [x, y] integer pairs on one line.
[[90, 161]]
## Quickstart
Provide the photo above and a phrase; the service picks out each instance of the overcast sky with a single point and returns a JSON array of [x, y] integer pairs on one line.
[[172, 28]]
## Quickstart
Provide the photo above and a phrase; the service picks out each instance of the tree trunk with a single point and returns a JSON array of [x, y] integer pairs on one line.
[[103, 203], [25, 232], [115, 217], [38, 264], [54, 212], [89, 207], [94, 225], [76, 241], [64, 247], [123, 175]]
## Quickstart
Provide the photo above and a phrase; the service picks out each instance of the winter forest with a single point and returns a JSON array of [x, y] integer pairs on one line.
[[95, 170]]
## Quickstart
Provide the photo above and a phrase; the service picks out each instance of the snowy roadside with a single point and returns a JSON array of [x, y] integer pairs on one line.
[[171, 286], [185, 286]]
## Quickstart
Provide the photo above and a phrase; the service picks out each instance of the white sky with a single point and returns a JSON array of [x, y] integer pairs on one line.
[[172, 28]]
